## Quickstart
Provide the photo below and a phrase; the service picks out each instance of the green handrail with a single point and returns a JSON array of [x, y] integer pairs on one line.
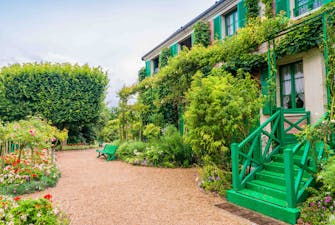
[[307, 167], [256, 154]]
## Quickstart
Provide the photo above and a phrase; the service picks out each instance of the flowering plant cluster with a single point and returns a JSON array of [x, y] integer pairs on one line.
[[29, 211], [214, 179], [318, 209], [22, 176]]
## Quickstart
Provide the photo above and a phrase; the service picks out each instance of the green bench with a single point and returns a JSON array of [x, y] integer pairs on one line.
[[108, 152]]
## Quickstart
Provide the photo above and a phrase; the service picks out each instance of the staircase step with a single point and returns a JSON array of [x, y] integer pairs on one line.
[[278, 167], [263, 197], [271, 177], [268, 189], [261, 203], [280, 158]]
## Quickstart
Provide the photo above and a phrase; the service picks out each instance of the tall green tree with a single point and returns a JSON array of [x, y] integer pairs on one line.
[[71, 96]]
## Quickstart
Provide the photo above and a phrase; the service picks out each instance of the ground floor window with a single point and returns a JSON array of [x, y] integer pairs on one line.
[[292, 86], [303, 6]]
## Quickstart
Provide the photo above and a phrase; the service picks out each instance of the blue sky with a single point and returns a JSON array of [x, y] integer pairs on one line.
[[107, 33]]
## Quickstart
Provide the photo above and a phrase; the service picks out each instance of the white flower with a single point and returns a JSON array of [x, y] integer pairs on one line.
[[38, 215], [23, 217]]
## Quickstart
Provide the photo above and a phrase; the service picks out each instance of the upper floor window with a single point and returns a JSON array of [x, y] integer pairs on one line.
[[303, 6], [187, 42], [231, 22], [156, 64]]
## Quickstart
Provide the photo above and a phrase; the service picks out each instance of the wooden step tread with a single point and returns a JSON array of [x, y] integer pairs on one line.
[[263, 197]]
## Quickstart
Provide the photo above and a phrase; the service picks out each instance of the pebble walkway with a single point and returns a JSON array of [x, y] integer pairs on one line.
[[92, 191]]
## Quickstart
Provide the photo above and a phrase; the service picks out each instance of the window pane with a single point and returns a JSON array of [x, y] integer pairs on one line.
[[287, 102], [299, 85], [236, 20]]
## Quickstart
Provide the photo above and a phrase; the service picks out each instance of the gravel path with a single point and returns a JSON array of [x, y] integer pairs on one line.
[[95, 192]]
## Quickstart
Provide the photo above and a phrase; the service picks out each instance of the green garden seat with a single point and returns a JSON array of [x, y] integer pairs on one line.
[[108, 152]]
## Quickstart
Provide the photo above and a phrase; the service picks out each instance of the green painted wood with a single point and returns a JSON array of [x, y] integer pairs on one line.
[[235, 167], [217, 23], [267, 190], [283, 5], [148, 68], [192, 38], [326, 1], [242, 14], [174, 49], [289, 179], [256, 203]]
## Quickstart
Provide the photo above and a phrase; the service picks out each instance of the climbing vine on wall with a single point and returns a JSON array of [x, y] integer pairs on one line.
[[252, 8], [202, 33]]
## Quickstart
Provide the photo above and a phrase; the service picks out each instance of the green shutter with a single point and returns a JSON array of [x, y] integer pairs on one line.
[[283, 5], [218, 27], [148, 68], [242, 14], [174, 50], [265, 91]]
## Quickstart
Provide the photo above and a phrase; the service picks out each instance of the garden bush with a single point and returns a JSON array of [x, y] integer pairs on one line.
[[168, 150], [222, 108], [130, 149], [214, 179], [29, 211], [320, 207]]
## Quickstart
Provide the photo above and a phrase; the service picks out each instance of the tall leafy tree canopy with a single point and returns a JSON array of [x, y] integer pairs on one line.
[[71, 96]]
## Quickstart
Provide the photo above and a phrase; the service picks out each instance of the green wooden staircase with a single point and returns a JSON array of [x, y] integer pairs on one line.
[[271, 170]]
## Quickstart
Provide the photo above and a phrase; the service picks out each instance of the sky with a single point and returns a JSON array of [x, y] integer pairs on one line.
[[113, 34]]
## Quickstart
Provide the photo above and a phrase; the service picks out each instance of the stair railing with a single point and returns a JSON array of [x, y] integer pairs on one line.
[[249, 155], [296, 184]]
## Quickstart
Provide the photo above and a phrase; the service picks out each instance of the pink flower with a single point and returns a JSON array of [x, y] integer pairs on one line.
[[32, 132]]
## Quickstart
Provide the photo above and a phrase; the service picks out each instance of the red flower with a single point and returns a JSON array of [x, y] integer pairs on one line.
[[17, 198], [48, 196], [35, 175]]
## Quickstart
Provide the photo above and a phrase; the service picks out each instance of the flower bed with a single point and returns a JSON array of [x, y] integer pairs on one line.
[[29, 211], [27, 175]]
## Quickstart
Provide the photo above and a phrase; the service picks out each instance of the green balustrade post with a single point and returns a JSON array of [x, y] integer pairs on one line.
[[235, 167], [289, 179]]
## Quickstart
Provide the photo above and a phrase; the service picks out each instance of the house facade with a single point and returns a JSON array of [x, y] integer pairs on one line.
[[271, 170]]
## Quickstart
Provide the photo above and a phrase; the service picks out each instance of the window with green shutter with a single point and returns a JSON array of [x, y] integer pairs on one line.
[[242, 14], [174, 50], [283, 5], [231, 20], [303, 6], [218, 27], [148, 68], [265, 92]]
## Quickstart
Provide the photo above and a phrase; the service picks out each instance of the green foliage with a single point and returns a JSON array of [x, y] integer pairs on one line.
[[221, 108], [202, 33], [175, 150], [215, 179], [326, 176], [70, 96], [252, 9], [169, 150], [29, 211], [268, 8], [164, 57], [142, 74], [130, 149], [320, 207], [151, 132]]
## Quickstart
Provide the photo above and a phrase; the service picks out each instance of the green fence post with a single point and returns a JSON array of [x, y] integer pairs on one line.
[[235, 167], [289, 179]]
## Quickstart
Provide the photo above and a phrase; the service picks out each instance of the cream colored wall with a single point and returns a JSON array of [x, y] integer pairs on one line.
[[314, 81]]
